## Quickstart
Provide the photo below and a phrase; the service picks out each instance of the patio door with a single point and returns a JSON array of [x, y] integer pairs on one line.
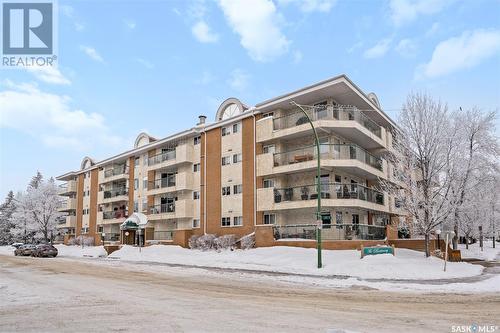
[[325, 186]]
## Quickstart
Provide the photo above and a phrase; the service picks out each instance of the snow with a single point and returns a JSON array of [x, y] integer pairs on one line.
[[78, 251], [407, 264], [7, 250], [474, 252]]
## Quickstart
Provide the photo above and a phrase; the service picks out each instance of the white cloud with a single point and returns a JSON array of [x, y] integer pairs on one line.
[[69, 12], [355, 47], [407, 48], [92, 53], [378, 50], [202, 32], [406, 11], [51, 119], [432, 30], [206, 78], [145, 63], [465, 51], [239, 79], [130, 24], [309, 6], [257, 24], [297, 56], [49, 74]]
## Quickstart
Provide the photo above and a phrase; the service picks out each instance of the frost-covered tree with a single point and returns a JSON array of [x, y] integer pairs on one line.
[[6, 221], [423, 154], [476, 151], [37, 210], [36, 180]]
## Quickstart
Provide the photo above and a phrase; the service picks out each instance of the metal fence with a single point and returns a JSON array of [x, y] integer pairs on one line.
[[339, 112], [329, 191], [328, 151], [162, 157], [163, 208], [330, 232]]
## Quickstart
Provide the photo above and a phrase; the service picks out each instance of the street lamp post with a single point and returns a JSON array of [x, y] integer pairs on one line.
[[318, 185]]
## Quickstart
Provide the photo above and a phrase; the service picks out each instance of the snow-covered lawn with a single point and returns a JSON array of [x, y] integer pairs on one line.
[[78, 251], [407, 264], [489, 253], [7, 250]]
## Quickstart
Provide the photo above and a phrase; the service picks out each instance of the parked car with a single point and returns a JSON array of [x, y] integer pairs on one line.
[[25, 250], [44, 250], [17, 245]]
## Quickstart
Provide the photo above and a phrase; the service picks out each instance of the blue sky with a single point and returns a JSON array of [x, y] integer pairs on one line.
[[155, 66]]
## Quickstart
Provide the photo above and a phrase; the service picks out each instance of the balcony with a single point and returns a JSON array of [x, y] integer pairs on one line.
[[331, 232], [346, 121], [68, 206], [113, 195], [69, 221], [172, 183], [332, 195], [173, 210], [111, 217], [349, 158], [67, 189], [119, 172], [182, 154]]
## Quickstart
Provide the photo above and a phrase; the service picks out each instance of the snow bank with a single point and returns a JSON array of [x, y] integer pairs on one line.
[[78, 251], [7, 250], [489, 253], [407, 264]]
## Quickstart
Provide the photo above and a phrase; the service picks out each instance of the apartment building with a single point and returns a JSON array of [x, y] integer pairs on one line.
[[253, 167]]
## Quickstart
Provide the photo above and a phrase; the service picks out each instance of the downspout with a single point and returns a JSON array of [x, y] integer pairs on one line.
[[204, 182], [254, 172]]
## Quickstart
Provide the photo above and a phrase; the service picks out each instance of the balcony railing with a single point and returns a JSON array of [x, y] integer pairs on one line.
[[329, 191], [328, 151], [115, 171], [163, 235], [163, 208], [331, 232], [162, 157], [115, 192], [113, 214], [350, 113], [162, 183]]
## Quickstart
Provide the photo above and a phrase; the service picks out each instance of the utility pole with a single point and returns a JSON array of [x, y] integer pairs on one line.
[[318, 186]]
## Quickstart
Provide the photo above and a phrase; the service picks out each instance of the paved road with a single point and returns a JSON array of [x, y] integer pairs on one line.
[[63, 295]]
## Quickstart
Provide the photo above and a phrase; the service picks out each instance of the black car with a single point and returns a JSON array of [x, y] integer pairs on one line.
[[25, 250], [44, 250]]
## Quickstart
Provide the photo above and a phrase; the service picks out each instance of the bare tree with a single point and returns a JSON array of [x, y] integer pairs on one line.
[[476, 152], [422, 157]]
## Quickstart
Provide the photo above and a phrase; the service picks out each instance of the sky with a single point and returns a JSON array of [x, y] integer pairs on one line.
[[154, 66]]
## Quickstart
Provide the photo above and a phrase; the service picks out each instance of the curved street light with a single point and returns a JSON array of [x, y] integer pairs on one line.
[[318, 185]]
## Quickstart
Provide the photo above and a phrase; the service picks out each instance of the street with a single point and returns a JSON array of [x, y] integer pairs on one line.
[[62, 295]]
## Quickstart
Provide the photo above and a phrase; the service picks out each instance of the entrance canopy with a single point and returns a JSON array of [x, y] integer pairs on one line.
[[134, 222]]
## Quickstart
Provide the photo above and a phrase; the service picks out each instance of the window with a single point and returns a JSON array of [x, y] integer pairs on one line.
[[355, 221], [144, 204], [196, 167], [226, 190], [226, 160], [85, 230], [136, 184], [136, 206], [236, 128], [226, 221], [145, 183], [338, 179], [338, 219], [225, 131], [269, 218], [144, 159], [196, 223], [136, 161], [196, 195], [237, 158], [269, 149], [238, 220], [237, 189], [268, 114], [268, 183], [100, 229], [197, 140]]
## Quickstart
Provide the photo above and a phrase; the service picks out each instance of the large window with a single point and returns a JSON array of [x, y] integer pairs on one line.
[[269, 218], [236, 128], [238, 220], [226, 221], [226, 190], [237, 158], [268, 183], [226, 160], [237, 189]]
